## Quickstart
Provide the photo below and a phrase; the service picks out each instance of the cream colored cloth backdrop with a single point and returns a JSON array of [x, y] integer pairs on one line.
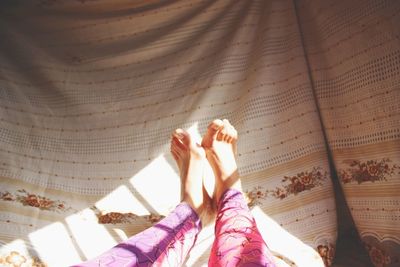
[[90, 92], [353, 50]]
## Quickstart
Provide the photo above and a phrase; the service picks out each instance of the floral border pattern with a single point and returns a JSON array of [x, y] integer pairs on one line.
[[33, 200], [14, 259], [295, 184], [377, 255], [300, 182], [327, 253], [368, 171], [382, 252], [124, 218], [255, 196]]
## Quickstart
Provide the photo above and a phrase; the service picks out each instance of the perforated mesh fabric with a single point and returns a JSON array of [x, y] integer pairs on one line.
[[90, 92]]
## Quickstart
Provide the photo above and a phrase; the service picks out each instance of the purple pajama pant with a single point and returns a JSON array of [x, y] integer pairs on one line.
[[237, 239]]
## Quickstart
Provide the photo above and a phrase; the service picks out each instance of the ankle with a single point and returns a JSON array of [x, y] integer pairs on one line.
[[230, 182]]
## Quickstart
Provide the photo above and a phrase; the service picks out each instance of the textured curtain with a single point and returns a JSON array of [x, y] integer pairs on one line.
[[353, 54], [90, 91]]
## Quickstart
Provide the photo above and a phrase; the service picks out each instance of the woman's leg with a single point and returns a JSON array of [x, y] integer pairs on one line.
[[165, 244], [237, 239], [168, 242]]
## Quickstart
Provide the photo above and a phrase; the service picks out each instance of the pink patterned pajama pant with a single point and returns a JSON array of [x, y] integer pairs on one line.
[[237, 239]]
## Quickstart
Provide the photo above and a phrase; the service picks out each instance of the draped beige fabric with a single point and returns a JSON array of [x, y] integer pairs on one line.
[[90, 91], [353, 51]]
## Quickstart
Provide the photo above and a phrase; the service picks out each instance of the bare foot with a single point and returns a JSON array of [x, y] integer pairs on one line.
[[219, 143], [190, 158]]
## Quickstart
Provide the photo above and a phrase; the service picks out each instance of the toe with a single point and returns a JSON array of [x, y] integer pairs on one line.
[[175, 148], [178, 133], [221, 134], [228, 133], [232, 134], [217, 123], [214, 127], [213, 131], [227, 124], [225, 135], [177, 144], [182, 136]]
